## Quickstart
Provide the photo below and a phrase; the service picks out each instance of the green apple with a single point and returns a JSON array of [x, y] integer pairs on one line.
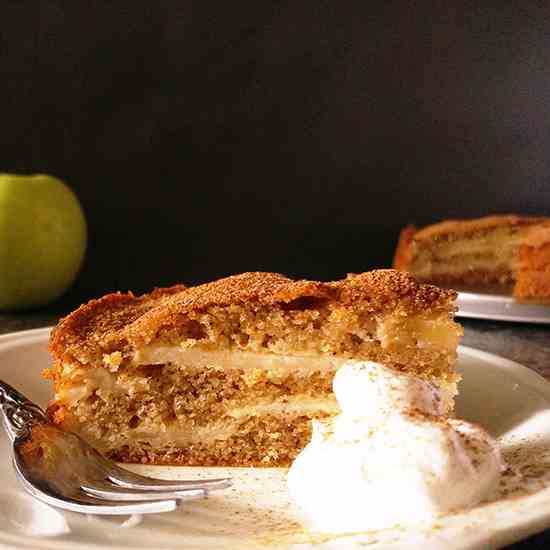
[[42, 240]]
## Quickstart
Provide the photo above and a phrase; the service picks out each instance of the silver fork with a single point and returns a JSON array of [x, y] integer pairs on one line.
[[61, 469]]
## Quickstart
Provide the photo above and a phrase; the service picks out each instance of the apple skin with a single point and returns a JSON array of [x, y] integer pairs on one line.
[[42, 240]]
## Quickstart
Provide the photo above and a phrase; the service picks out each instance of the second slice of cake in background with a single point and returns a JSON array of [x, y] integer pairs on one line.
[[232, 372], [482, 254]]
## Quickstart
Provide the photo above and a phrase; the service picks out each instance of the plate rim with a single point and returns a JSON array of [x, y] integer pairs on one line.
[[510, 309], [15, 335]]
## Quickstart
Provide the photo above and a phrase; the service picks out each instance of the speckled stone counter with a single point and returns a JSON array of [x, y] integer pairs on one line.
[[527, 344], [14, 322]]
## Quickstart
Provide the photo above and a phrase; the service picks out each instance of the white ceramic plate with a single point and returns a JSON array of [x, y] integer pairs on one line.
[[511, 401]]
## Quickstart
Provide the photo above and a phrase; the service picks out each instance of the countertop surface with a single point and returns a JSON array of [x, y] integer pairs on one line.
[[525, 343]]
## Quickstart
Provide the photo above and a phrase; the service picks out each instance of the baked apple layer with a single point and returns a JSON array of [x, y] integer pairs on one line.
[[203, 407]]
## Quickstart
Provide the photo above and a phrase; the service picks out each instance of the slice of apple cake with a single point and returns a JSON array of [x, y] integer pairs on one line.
[[232, 372], [479, 252]]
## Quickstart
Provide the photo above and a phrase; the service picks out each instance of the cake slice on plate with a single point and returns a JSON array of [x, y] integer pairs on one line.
[[232, 372], [482, 253]]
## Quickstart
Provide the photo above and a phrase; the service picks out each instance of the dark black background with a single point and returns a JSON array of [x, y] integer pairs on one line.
[[208, 138]]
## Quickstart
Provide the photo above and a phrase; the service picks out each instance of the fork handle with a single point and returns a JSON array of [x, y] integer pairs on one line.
[[18, 412]]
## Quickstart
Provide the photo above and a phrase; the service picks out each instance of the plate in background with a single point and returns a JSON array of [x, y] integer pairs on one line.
[[511, 401], [498, 307]]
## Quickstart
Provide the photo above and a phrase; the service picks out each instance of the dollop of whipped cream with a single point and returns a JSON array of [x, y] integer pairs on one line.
[[391, 457]]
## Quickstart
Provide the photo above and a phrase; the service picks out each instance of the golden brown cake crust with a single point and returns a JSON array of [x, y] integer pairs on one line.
[[538, 237], [120, 319]]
